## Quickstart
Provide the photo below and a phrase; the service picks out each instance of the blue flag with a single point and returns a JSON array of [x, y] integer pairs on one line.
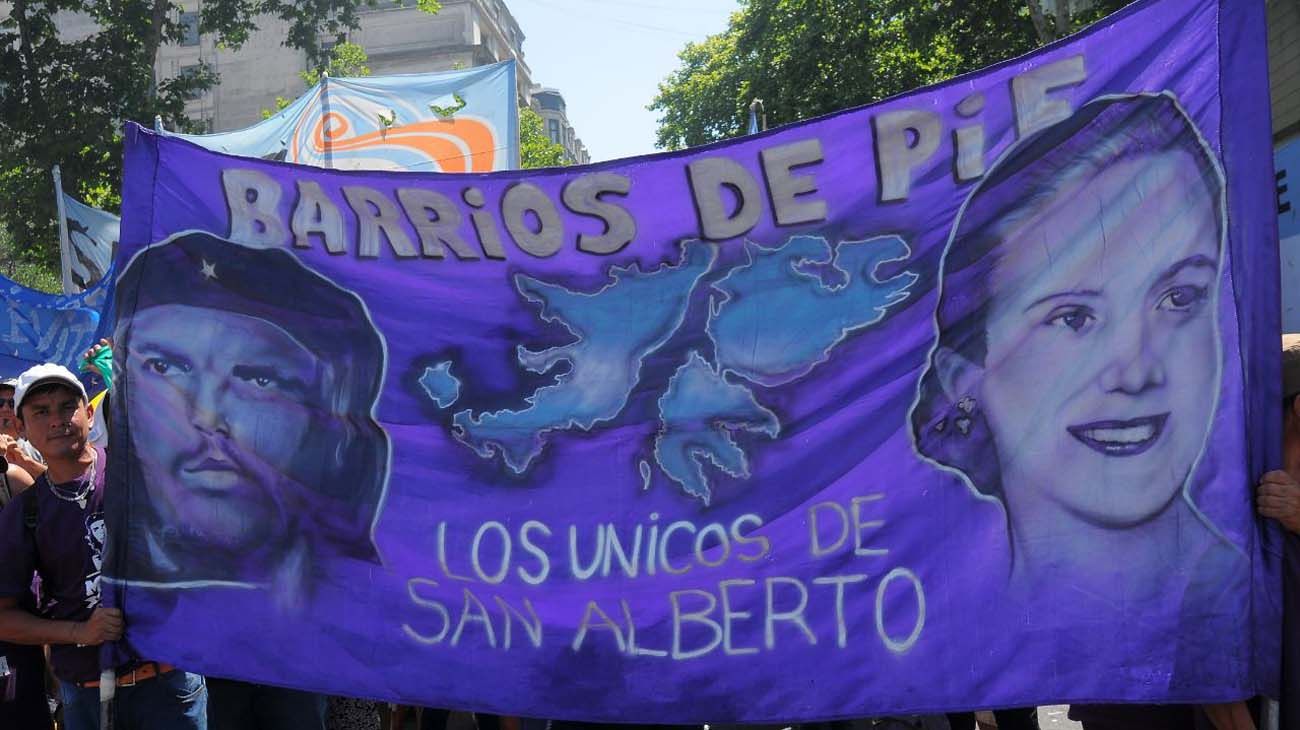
[[37, 326]]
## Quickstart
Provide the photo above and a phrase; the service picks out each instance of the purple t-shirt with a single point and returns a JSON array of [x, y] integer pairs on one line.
[[67, 551]]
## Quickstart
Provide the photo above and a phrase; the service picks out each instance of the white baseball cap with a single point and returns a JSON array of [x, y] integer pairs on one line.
[[42, 374]]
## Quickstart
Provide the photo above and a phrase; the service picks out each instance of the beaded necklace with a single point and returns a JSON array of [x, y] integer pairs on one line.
[[82, 491]]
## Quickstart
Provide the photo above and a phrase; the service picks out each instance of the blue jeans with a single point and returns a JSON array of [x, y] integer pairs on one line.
[[173, 701]]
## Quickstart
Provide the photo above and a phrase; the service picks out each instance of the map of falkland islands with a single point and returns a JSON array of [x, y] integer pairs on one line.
[[615, 328], [440, 385], [698, 414], [782, 313], [773, 319]]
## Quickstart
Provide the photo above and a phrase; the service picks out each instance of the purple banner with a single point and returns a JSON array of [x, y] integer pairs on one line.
[[952, 401]]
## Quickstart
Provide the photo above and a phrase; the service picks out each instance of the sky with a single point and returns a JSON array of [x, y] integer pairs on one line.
[[607, 58]]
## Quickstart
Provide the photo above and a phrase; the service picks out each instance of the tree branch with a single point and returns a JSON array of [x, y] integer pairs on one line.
[[153, 40], [1041, 27], [1062, 18], [31, 73]]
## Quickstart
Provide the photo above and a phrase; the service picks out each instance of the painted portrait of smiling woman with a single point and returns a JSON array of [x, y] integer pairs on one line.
[[249, 383], [1076, 370]]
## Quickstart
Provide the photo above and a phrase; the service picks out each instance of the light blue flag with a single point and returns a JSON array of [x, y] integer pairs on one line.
[[451, 121], [92, 236]]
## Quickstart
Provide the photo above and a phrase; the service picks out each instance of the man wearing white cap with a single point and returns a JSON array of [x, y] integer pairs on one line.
[[57, 529]]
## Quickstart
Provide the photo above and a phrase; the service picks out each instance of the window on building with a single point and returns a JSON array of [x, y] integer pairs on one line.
[[550, 101], [190, 71], [553, 130], [189, 29]]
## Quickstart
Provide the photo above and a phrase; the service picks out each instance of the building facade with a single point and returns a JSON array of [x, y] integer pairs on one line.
[[1284, 67], [549, 104], [398, 39], [468, 33]]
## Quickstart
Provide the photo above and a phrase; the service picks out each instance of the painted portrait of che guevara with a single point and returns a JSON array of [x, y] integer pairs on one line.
[[245, 411]]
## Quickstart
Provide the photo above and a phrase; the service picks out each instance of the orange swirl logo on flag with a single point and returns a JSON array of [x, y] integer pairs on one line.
[[460, 144]]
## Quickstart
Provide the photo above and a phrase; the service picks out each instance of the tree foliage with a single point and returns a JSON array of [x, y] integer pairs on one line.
[[346, 60], [34, 274], [64, 99], [805, 58], [535, 147]]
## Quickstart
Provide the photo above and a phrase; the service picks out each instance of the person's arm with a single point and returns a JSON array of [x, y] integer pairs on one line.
[[17, 456], [19, 480], [1230, 716], [99, 358], [17, 626], [1278, 498]]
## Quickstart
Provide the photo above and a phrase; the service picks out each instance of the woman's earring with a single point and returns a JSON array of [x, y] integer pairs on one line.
[[961, 420], [966, 406]]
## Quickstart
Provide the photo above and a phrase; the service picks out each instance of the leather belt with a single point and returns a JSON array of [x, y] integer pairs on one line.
[[145, 671]]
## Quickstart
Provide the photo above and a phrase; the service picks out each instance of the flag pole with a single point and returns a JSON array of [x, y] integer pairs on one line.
[[757, 117], [325, 119], [65, 246]]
